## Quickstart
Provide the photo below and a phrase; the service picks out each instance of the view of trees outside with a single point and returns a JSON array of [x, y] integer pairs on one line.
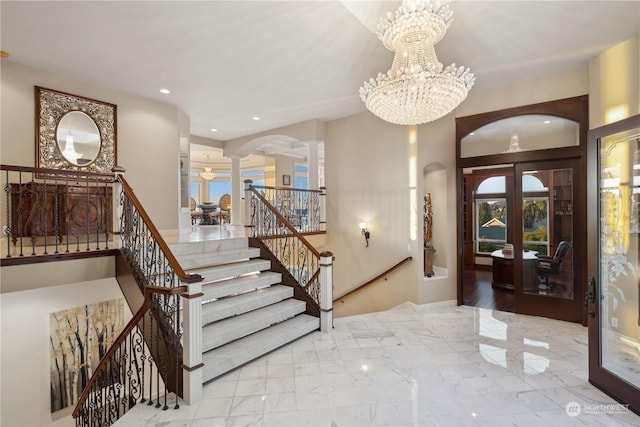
[[491, 235], [535, 225]]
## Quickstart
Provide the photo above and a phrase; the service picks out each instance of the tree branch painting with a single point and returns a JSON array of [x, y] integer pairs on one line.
[[79, 337]]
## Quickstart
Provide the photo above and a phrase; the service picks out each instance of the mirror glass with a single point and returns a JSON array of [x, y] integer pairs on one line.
[[520, 133], [78, 138]]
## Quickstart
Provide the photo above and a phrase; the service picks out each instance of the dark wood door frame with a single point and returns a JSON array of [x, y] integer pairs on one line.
[[600, 377], [575, 109]]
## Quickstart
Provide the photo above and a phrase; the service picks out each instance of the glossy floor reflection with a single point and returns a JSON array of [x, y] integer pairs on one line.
[[433, 365]]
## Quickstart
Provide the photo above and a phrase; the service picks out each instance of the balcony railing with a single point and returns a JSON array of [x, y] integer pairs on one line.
[[48, 213], [302, 208]]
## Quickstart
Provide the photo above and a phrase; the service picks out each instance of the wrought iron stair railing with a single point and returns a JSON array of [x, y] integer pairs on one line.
[[280, 237], [132, 370], [154, 334]]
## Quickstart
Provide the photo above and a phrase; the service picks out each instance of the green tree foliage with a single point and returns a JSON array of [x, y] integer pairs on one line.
[[484, 213], [533, 210]]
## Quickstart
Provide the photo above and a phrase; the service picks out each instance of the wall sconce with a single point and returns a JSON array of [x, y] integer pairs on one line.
[[365, 232]]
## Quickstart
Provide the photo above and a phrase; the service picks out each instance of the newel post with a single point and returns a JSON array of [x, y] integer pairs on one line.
[[192, 344], [116, 206], [247, 207], [326, 291], [323, 208]]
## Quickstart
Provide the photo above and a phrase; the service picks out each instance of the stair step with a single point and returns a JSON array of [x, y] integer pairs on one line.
[[223, 332], [232, 269], [225, 288], [226, 358], [205, 259], [185, 248], [243, 303]]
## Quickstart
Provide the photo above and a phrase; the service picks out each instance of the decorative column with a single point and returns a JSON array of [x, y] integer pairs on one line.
[[192, 344], [326, 291], [312, 156], [236, 194]]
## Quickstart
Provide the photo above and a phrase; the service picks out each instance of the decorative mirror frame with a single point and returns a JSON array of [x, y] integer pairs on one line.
[[51, 106]]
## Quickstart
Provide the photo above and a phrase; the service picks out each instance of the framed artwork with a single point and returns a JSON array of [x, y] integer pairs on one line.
[[79, 336], [286, 179]]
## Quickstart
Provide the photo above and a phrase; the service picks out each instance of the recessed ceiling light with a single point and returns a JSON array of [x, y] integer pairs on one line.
[[472, 133], [214, 130], [255, 118], [165, 91], [546, 122]]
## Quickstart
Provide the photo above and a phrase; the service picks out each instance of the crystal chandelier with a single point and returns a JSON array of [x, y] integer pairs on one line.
[[70, 152], [208, 173], [416, 89], [514, 144]]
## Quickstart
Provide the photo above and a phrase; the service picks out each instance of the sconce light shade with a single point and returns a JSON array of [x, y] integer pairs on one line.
[[365, 233]]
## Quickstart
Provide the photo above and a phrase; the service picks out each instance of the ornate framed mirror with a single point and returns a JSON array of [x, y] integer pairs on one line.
[[74, 133]]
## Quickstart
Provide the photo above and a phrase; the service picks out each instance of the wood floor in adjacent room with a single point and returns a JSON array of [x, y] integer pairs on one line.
[[477, 292]]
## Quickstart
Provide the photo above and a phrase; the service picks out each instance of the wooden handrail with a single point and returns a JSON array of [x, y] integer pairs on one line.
[[285, 222], [148, 293], [87, 174], [184, 277], [307, 190], [379, 276]]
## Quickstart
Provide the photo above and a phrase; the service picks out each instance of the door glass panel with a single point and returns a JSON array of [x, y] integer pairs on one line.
[[547, 232], [490, 224], [619, 199]]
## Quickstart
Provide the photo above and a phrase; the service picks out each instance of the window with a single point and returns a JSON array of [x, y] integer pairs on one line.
[[194, 191], [301, 176], [490, 224], [535, 224], [218, 189]]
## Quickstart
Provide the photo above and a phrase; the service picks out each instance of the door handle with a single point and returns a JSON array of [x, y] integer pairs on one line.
[[590, 297]]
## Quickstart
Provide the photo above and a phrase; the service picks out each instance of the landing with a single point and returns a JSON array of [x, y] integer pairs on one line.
[[201, 233]]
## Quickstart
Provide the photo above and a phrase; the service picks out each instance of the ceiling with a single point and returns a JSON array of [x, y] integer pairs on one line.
[[289, 61]]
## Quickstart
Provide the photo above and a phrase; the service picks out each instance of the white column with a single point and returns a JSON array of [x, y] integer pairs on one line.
[[326, 291], [192, 344], [236, 193], [312, 156]]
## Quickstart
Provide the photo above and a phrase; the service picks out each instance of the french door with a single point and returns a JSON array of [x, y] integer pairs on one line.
[[549, 241], [612, 302]]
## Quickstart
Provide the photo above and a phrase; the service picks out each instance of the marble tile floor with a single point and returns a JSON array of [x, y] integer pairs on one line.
[[199, 233], [430, 365]]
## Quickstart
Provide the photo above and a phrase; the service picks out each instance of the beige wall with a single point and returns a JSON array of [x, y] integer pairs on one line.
[[367, 179], [148, 135], [367, 176], [25, 330], [615, 83]]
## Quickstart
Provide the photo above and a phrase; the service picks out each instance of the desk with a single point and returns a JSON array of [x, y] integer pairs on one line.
[[503, 273], [208, 217]]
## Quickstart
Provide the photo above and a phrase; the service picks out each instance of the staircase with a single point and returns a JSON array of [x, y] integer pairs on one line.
[[246, 311]]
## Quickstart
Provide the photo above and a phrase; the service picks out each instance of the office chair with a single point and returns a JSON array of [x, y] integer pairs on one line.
[[550, 265]]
